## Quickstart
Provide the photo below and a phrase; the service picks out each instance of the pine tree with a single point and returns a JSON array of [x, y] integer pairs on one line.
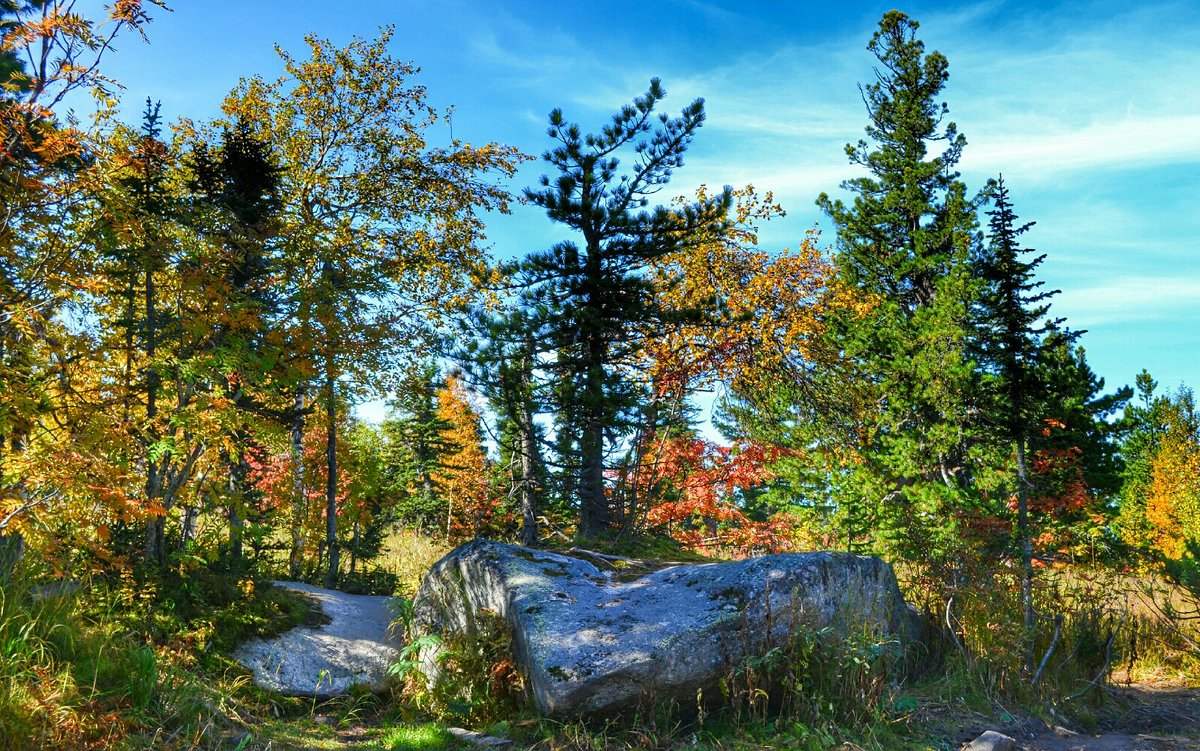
[[589, 300], [905, 243]]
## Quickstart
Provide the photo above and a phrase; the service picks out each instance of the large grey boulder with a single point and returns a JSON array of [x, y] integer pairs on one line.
[[592, 641]]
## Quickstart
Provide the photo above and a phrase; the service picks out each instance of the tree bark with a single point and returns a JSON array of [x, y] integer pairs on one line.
[[1026, 552], [299, 509], [595, 514], [529, 535], [331, 479]]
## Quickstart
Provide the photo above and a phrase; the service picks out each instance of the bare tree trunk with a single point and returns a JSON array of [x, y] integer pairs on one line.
[[331, 543], [300, 508], [191, 515], [157, 523], [1026, 552], [529, 535]]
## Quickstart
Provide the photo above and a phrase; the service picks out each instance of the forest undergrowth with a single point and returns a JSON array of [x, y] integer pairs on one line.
[[119, 664]]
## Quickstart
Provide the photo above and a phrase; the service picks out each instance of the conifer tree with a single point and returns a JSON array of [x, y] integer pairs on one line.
[[588, 300], [499, 361], [905, 243], [239, 184], [414, 435], [1013, 321]]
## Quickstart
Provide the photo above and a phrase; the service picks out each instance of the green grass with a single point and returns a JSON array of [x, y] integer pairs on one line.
[[427, 736]]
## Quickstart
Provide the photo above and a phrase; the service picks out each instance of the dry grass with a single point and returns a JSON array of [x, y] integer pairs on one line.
[[408, 554]]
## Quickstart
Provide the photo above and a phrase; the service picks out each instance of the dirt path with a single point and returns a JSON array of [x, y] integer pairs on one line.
[[1052, 741], [356, 646], [1136, 718]]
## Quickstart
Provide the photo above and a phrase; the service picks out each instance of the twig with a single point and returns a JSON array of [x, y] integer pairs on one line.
[[546, 523]]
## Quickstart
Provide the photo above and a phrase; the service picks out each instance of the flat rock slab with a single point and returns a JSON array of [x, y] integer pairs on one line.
[[356, 647], [592, 642]]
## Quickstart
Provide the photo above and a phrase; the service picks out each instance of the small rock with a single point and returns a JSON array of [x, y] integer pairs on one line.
[[992, 741], [479, 739]]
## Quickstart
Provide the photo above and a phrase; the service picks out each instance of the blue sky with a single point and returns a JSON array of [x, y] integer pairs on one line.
[[1090, 109]]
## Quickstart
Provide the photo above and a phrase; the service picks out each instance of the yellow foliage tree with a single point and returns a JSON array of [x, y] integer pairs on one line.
[[463, 474], [764, 311], [1173, 497], [384, 227], [51, 467]]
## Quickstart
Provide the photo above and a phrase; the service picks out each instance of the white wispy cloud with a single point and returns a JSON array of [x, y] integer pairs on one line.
[[1128, 143], [1132, 298]]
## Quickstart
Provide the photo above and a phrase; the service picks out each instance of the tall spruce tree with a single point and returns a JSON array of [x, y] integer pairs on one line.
[[1012, 324], [905, 242], [238, 184], [1041, 397], [589, 301], [499, 362]]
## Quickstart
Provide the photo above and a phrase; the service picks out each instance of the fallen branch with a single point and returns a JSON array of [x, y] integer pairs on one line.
[[603, 556], [954, 634], [1037, 676]]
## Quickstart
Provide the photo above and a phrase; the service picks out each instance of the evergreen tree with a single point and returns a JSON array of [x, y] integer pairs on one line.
[[1012, 323], [905, 244], [239, 186], [414, 439], [499, 361], [1082, 414], [588, 301], [1142, 425], [1042, 402]]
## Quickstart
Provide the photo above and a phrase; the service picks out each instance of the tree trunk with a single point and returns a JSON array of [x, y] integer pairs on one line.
[[331, 478], [1026, 553], [595, 514], [12, 550], [300, 508], [191, 515], [156, 525], [529, 536], [237, 493]]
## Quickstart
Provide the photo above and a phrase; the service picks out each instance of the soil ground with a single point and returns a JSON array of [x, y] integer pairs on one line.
[[1143, 717]]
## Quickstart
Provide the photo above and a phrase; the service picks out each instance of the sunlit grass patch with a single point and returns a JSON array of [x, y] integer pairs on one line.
[[427, 736], [409, 554]]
